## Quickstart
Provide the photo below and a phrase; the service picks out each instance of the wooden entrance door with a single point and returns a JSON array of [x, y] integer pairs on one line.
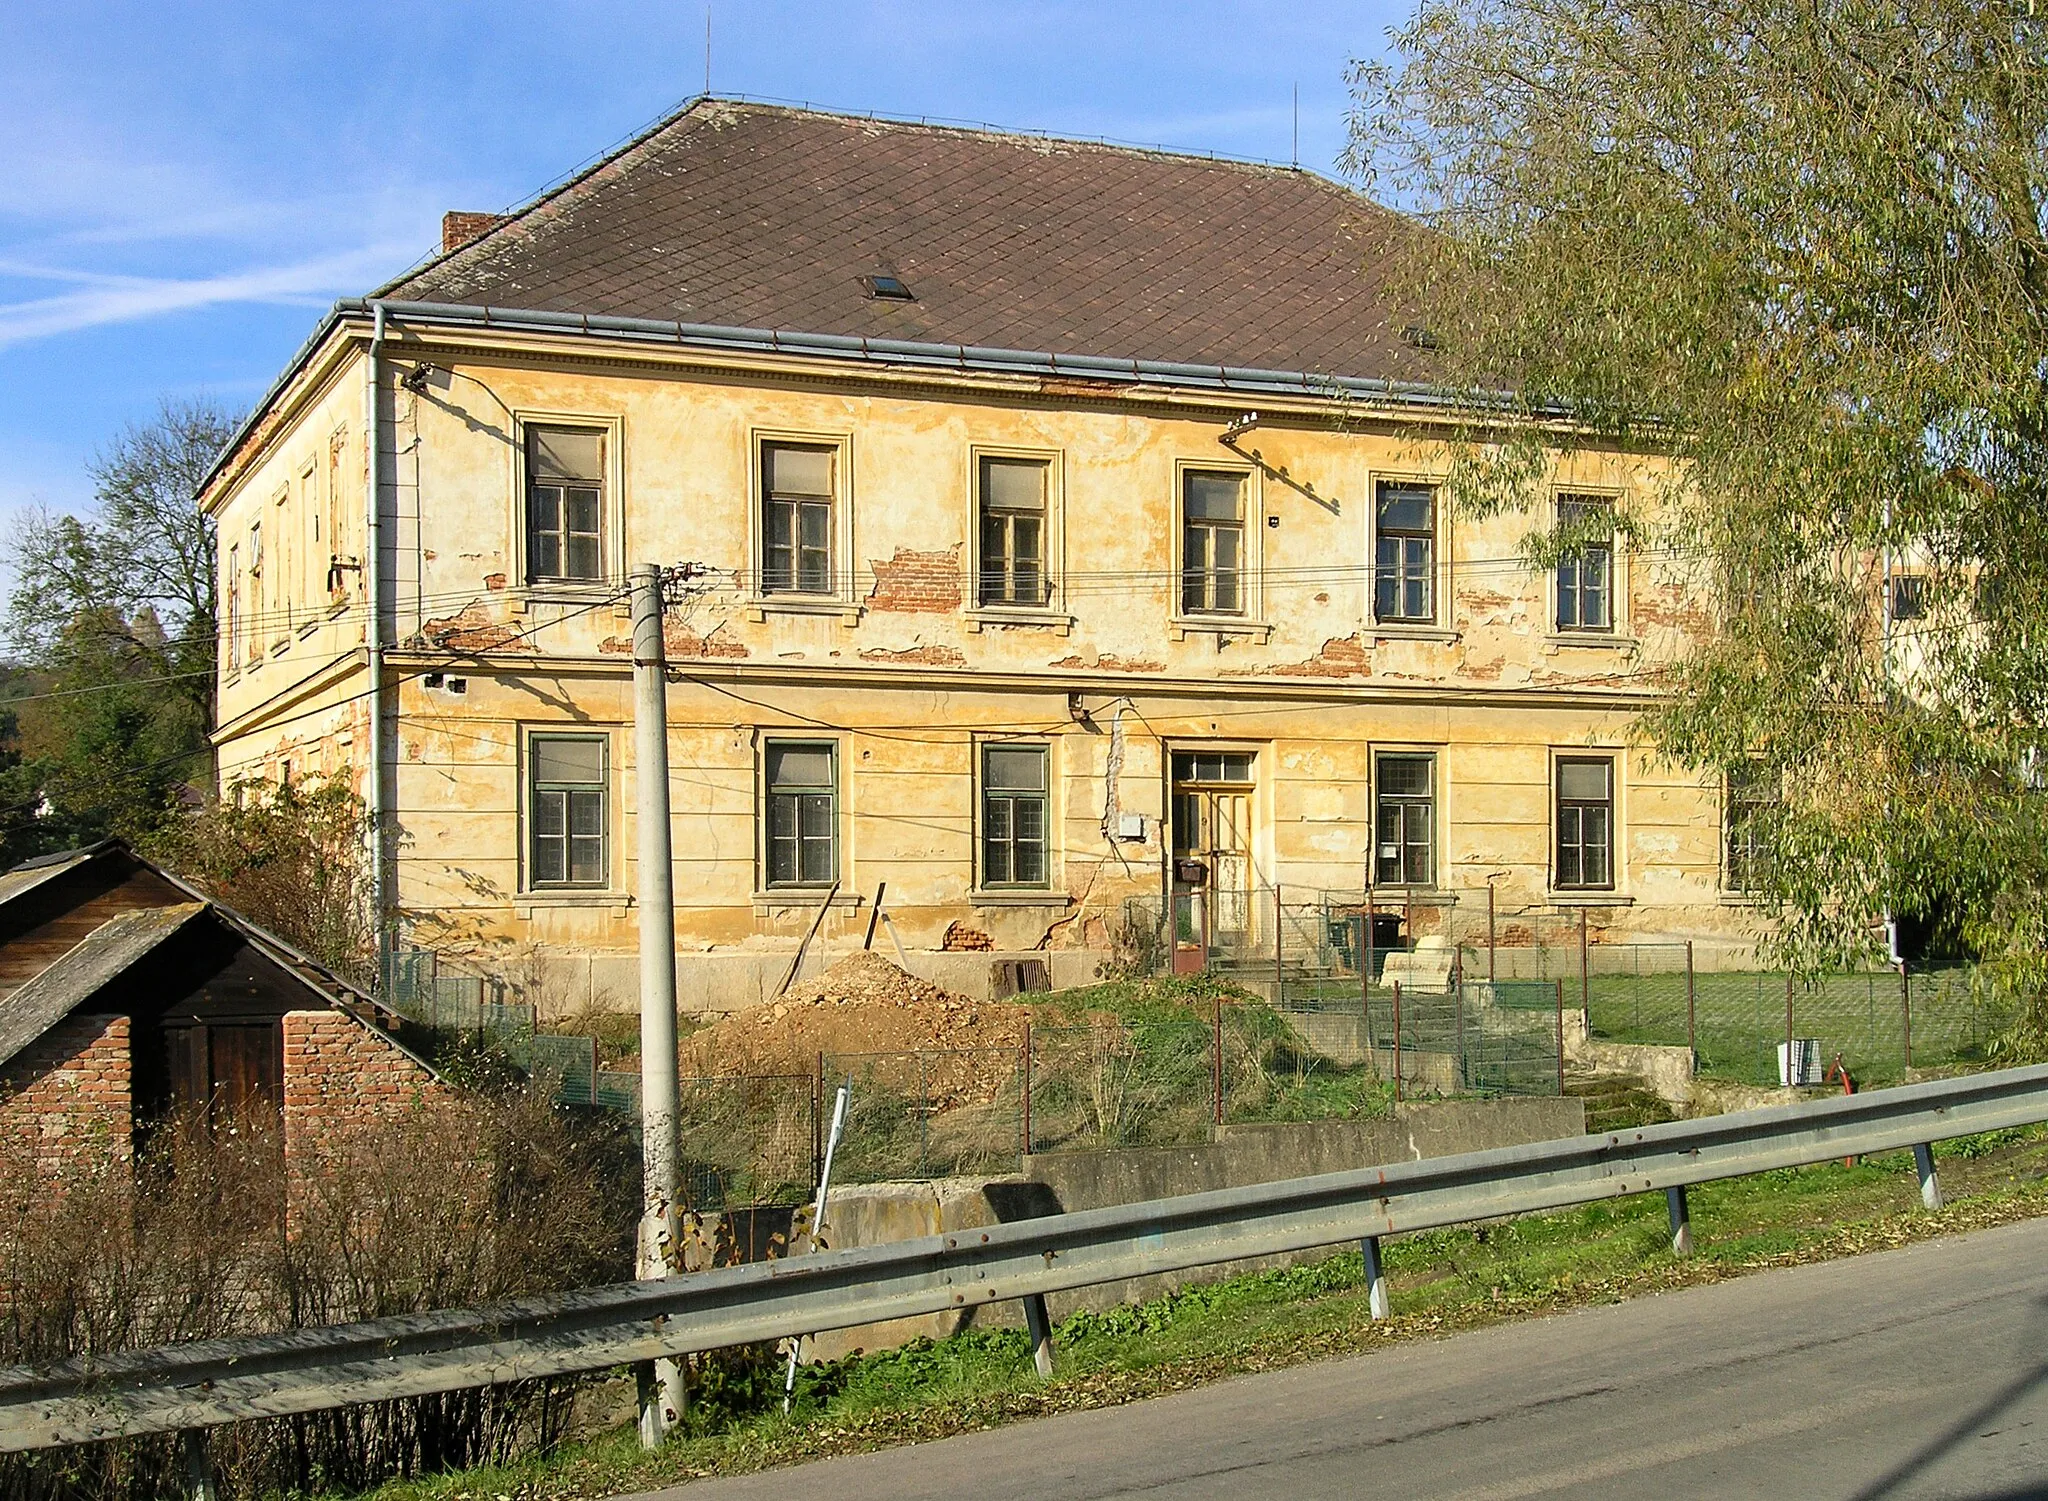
[[1212, 830]]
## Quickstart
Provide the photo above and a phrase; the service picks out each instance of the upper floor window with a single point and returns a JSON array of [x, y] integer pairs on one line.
[[1014, 815], [257, 602], [1012, 507], [565, 504], [1404, 562], [802, 834], [796, 518], [1585, 578], [1404, 815], [1212, 543], [568, 811], [1585, 823], [1909, 596], [336, 580]]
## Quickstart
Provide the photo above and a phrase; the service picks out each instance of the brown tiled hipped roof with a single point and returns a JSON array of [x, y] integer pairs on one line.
[[767, 217]]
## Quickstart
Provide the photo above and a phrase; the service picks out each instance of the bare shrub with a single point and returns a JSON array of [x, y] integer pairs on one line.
[[290, 858], [443, 1206]]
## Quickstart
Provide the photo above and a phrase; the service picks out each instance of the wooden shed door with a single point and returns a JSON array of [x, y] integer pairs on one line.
[[245, 1067]]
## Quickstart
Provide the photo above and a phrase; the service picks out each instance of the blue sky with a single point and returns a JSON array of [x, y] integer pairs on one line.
[[184, 187]]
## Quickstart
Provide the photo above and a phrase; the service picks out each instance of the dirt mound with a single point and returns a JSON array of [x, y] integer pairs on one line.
[[864, 1005]]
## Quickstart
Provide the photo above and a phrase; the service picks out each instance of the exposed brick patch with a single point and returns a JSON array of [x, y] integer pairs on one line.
[[1673, 605], [1111, 663], [961, 939], [915, 583], [679, 641], [68, 1099], [1341, 657], [1484, 601], [494, 581], [930, 656], [474, 630]]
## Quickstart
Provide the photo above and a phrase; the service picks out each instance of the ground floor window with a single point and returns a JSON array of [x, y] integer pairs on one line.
[[1585, 823], [1014, 816], [803, 813], [568, 813], [1404, 818]]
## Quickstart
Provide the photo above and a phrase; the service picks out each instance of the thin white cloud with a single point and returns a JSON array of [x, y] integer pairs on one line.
[[125, 299]]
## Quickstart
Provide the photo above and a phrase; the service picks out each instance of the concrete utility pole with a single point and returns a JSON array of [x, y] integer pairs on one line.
[[662, 1390]]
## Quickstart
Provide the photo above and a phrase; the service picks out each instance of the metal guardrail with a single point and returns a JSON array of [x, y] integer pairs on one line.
[[198, 1385]]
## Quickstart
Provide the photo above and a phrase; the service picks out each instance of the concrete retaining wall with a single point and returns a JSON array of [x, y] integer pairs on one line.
[[1056, 1182]]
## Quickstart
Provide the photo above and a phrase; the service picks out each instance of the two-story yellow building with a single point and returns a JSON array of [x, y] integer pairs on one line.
[[1070, 532]]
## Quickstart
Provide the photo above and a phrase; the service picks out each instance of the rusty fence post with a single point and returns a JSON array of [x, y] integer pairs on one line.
[[1692, 1035], [1027, 1086], [1585, 972], [1397, 1042], [1279, 944], [1792, 1069], [1560, 1037], [1216, 1060], [1489, 932], [1906, 1013]]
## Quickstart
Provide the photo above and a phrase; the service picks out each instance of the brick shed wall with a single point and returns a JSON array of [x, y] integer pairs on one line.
[[68, 1099], [338, 1076]]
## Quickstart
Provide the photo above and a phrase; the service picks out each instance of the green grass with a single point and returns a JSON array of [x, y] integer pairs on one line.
[[1442, 1281], [1739, 1019]]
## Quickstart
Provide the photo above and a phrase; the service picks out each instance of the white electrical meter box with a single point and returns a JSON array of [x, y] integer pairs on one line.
[[1130, 827]]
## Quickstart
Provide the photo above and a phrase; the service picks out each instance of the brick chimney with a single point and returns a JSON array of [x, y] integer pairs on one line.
[[459, 228]]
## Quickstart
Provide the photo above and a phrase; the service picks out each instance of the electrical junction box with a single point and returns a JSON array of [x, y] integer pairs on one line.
[[1799, 1061], [1130, 827]]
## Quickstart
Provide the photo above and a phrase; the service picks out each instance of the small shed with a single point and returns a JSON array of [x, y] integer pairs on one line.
[[103, 932]]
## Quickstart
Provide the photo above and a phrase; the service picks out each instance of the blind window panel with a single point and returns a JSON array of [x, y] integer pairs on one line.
[[565, 454]]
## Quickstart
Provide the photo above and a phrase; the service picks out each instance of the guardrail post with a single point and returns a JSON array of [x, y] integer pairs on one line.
[[1038, 1324], [197, 1465], [1681, 1221], [1375, 1277], [1930, 1186]]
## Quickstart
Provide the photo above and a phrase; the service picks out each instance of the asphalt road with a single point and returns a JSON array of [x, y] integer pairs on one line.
[[1921, 1372]]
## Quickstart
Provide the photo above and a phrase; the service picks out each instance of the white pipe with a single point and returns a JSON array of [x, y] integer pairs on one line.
[[817, 1228], [373, 590]]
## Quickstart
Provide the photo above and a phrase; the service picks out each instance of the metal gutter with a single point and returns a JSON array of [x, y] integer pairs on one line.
[[891, 353]]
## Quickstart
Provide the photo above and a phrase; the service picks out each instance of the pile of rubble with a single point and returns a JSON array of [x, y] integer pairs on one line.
[[865, 1005]]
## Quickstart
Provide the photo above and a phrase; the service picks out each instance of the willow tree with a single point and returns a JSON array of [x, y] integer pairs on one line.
[[1801, 250]]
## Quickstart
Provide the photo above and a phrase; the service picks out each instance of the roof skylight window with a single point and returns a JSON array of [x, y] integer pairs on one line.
[[886, 288]]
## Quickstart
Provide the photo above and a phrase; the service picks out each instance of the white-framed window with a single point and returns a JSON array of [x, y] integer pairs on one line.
[[1215, 527], [1404, 818], [1583, 582], [568, 811], [799, 812], [799, 506], [258, 602], [338, 490], [1583, 822], [567, 504], [1405, 552], [279, 624], [1014, 530], [1016, 815]]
